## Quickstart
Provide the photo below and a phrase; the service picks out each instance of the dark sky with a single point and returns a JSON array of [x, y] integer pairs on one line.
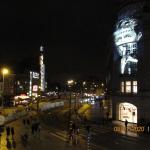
[[74, 35]]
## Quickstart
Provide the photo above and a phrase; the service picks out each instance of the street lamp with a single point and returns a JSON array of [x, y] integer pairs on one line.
[[5, 71], [69, 83], [84, 83]]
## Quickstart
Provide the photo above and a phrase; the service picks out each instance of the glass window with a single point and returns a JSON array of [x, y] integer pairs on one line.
[[128, 87], [122, 87], [135, 46], [134, 86]]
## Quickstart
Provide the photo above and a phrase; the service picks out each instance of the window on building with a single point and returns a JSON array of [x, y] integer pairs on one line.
[[122, 87], [134, 86], [128, 86]]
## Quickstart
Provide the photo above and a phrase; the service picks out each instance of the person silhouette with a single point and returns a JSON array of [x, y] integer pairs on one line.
[[12, 131], [8, 131], [126, 124]]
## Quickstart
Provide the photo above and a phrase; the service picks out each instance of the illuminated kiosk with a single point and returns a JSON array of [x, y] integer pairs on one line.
[[130, 74]]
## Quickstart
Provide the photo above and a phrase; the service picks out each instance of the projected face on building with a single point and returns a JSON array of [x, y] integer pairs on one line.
[[126, 39]]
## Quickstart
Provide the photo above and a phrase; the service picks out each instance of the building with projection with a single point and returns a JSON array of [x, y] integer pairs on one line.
[[128, 78]]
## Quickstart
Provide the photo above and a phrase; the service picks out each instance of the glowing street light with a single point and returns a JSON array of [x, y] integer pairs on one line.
[[84, 83], [70, 83], [5, 71]]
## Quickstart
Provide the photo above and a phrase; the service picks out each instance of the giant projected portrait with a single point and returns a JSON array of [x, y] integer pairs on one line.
[[126, 38]]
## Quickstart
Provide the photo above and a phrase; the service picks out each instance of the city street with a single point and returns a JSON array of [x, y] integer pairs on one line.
[[53, 134], [75, 75], [102, 136], [46, 139], [105, 136]]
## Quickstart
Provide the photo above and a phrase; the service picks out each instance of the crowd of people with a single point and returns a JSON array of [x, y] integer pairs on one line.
[[32, 124]]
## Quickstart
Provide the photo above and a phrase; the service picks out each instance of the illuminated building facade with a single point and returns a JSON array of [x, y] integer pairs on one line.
[[130, 74], [21, 84], [8, 85]]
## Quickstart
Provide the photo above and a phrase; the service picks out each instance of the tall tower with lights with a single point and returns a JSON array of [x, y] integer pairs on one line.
[[42, 69]]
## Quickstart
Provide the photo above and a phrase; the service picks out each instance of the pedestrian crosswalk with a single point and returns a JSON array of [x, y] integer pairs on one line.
[[95, 131], [82, 138], [62, 135], [59, 136]]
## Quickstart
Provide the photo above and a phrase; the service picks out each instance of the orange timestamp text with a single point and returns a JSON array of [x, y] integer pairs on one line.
[[131, 128]]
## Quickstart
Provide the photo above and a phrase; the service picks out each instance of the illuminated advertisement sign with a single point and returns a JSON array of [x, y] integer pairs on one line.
[[35, 75], [35, 88], [34, 79], [126, 38]]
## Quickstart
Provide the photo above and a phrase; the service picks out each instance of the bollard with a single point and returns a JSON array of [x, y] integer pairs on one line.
[[88, 142], [88, 127], [70, 131]]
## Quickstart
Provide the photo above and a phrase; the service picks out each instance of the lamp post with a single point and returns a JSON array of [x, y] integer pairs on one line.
[[39, 98], [69, 83], [5, 71]]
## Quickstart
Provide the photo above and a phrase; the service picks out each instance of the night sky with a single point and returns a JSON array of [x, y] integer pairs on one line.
[[75, 35]]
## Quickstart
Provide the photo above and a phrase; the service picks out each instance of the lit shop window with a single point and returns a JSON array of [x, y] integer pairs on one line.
[[122, 87], [128, 86], [134, 86]]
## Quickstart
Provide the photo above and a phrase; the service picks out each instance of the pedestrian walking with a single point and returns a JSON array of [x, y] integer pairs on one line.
[[26, 136], [70, 136], [107, 115], [77, 130], [24, 122], [9, 146], [73, 127], [24, 139], [76, 135], [28, 122], [36, 127], [126, 124], [103, 121], [75, 138], [88, 128], [39, 128], [12, 132], [8, 131], [14, 144], [32, 129], [84, 120]]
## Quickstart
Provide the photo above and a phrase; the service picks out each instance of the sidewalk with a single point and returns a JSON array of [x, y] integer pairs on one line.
[[44, 140]]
